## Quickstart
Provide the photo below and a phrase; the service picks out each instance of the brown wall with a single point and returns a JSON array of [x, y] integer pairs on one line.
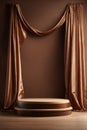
[[42, 57]]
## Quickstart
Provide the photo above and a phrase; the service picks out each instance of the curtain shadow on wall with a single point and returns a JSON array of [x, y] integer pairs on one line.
[[3, 50]]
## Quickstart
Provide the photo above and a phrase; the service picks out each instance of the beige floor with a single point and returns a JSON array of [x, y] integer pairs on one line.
[[75, 121]]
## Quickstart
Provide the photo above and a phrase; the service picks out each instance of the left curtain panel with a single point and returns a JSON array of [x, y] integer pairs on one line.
[[14, 85]]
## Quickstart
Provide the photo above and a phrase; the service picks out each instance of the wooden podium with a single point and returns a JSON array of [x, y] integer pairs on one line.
[[43, 107]]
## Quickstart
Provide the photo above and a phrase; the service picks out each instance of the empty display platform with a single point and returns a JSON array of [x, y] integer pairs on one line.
[[43, 107]]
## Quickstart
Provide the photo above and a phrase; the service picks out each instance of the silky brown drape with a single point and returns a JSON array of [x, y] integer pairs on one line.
[[75, 75]]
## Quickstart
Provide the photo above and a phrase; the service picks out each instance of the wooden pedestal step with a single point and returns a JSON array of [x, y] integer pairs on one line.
[[43, 107]]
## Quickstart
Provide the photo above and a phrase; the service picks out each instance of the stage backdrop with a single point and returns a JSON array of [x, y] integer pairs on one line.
[[74, 55]]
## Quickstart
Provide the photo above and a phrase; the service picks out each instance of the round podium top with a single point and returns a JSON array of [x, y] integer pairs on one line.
[[45, 100]]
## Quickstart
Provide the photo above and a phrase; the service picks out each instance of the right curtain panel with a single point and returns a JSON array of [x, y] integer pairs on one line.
[[75, 74]]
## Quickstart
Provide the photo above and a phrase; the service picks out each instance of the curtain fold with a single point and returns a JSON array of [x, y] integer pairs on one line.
[[28, 27], [75, 75]]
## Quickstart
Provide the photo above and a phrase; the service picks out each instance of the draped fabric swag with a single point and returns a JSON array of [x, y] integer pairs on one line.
[[75, 74]]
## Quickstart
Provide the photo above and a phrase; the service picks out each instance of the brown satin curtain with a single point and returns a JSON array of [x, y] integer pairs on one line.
[[75, 74]]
